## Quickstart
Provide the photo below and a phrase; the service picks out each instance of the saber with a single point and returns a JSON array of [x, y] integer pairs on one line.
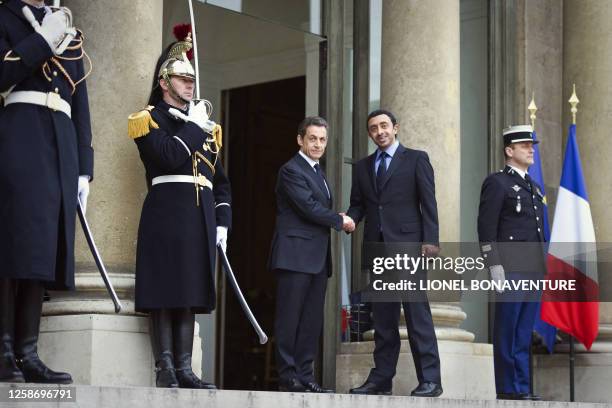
[[195, 50], [263, 339], [98, 258]]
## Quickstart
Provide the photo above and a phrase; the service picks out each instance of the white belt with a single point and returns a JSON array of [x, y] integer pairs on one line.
[[182, 178], [51, 100]]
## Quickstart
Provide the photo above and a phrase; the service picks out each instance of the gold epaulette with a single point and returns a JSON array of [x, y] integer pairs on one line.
[[218, 135], [140, 123]]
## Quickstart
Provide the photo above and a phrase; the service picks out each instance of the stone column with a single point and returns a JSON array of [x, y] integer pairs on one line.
[[587, 62], [420, 84], [80, 332]]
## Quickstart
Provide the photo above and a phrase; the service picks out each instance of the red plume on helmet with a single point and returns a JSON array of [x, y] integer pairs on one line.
[[180, 32]]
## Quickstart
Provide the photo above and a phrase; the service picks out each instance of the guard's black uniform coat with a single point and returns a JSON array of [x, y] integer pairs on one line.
[[42, 154], [510, 211], [175, 259]]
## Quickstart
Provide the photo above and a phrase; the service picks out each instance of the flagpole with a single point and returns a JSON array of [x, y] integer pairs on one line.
[[532, 108], [572, 359], [573, 101]]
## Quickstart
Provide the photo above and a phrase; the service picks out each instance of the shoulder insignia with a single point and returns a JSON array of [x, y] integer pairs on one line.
[[218, 135], [516, 188], [141, 123]]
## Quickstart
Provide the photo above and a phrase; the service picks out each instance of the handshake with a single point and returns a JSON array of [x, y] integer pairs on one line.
[[348, 225]]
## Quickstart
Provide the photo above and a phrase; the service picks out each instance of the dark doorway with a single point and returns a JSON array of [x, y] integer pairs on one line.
[[262, 123]]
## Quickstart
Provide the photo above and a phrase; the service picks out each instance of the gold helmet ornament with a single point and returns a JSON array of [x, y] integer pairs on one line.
[[177, 61]]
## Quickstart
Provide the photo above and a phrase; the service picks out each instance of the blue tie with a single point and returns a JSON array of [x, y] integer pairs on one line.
[[381, 173]]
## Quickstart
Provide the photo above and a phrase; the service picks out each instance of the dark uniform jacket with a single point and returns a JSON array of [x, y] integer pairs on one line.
[[42, 153], [175, 259], [511, 214], [304, 216], [406, 207]]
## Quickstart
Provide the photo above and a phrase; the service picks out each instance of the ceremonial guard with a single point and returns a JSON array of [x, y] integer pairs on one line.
[[185, 215], [46, 162], [510, 232]]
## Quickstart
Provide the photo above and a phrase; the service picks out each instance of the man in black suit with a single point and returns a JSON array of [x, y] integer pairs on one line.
[[301, 257], [393, 189]]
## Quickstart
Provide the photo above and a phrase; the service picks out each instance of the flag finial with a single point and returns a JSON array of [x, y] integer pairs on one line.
[[573, 101], [532, 108]]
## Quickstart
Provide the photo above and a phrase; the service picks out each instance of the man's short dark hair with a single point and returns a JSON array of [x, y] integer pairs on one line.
[[311, 121], [379, 112]]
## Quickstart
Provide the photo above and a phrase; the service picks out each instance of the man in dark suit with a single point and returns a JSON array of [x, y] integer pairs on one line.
[[510, 216], [301, 257], [393, 189]]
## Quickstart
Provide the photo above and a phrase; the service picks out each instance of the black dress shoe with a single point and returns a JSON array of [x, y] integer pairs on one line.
[[427, 389], [290, 385], [369, 388], [514, 396], [314, 387]]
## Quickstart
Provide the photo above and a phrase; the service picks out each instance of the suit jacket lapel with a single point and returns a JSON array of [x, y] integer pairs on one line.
[[311, 173], [398, 157], [371, 173], [331, 197]]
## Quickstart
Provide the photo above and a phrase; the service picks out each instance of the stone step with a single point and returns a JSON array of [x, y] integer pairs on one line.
[[86, 396]]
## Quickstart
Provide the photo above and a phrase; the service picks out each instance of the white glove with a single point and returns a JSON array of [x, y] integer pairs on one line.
[[53, 28], [83, 191], [498, 275], [197, 114], [222, 237]]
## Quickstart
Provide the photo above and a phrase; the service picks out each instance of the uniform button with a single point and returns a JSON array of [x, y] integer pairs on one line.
[[56, 90], [511, 237], [537, 218], [485, 255], [201, 188], [539, 230], [533, 196], [199, 160], [380, 207], [54, 73], [535, 207]]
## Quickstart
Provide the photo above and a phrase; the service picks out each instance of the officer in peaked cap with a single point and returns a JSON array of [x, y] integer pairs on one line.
[[46, 162], [509, 216]]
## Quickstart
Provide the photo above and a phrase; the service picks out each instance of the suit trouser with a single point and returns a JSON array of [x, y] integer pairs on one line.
[[299, 320], [511, 342], [421, 336]]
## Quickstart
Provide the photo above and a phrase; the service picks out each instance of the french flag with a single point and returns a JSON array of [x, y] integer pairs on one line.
[[572, 254]]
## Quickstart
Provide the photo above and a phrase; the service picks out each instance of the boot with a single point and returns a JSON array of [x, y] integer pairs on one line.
[[183, 327], [160, 329], [8, 366], [27, 324]]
